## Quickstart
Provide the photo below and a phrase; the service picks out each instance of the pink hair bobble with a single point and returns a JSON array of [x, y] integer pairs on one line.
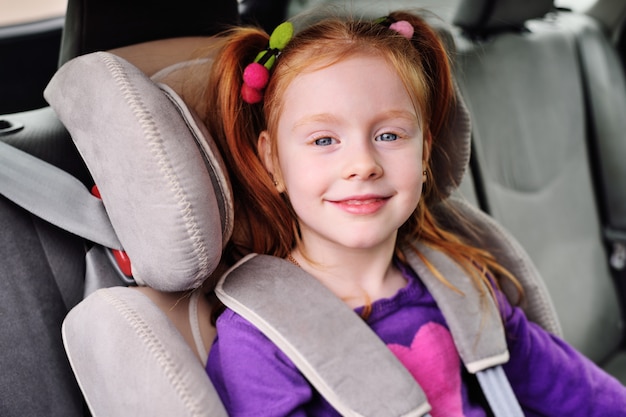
[[256, 75], [255, 78], [251, 95], [404, 28]]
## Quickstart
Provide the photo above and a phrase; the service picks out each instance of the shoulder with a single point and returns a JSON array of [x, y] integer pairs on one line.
[[238, 338], [235, 332], [250, 373]]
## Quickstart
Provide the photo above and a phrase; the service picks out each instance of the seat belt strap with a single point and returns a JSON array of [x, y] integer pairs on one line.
[[498, 392], [55, 196]]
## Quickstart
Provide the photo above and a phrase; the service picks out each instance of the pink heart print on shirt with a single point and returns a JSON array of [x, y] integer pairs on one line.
[[433, 361]]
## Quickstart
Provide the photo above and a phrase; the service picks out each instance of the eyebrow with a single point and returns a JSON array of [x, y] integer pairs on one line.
[[316, 118], [331, 118]]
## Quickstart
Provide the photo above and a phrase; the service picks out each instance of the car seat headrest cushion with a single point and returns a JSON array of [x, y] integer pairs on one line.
[[162, 182]]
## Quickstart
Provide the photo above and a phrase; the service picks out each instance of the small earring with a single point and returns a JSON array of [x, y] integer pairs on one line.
[[424, 175]]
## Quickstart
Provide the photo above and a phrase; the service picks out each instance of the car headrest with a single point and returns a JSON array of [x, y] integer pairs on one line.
[[94, 25], [484, 16], [160, 176]]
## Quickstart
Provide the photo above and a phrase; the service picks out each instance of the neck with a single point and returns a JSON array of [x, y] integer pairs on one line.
[[357, 276]]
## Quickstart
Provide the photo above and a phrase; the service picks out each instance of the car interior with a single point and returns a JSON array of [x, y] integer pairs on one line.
[[545, 91]]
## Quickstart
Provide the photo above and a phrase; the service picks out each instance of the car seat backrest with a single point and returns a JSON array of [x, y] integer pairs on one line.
[[524, 88]]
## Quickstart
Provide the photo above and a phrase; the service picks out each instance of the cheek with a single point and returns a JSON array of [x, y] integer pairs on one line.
[[409, 168], [300, 175], [409, 179], [304, 180]]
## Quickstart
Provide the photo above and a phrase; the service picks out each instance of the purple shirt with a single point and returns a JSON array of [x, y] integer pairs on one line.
[[254, 378]]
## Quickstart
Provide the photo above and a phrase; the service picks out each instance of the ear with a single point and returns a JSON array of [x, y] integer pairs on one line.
[[264, 148]]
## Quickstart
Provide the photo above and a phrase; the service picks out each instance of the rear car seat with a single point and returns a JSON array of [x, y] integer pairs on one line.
[[518, 68]]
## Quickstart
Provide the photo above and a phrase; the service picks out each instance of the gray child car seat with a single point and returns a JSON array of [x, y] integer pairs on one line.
[[155, 168]]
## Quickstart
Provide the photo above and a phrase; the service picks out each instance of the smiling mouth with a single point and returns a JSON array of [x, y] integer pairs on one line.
[[360, 202], [365, 205]]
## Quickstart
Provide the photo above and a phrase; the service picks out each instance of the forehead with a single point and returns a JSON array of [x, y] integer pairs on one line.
[[358, 84]]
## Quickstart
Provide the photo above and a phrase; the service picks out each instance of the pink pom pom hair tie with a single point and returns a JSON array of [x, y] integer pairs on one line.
[[402, 27]]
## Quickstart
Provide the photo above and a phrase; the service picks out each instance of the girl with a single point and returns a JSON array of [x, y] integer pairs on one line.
[[331, 169]]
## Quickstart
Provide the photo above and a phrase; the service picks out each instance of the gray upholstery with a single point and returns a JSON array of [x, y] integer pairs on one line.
[[161, 180], [485, 232], [533, 157], [39, 281]]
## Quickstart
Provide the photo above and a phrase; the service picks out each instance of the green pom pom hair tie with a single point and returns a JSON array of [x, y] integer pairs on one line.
[[256, 75]]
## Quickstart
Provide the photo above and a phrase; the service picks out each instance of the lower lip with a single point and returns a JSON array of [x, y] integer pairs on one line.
[[361, 207]]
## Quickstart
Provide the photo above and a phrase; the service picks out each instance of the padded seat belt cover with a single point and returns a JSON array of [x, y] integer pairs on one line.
[[474, 321]]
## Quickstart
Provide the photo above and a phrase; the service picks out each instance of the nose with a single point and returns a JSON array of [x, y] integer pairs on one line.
[[362, 162]]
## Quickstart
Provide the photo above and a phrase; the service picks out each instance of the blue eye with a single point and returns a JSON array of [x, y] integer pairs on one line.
[[324, 141], [386, 137]]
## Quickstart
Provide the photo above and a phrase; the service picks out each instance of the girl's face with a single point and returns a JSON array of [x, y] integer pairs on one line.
[[350, 152]]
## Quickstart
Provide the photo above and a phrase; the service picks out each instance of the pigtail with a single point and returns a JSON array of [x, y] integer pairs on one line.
[[235, 126]]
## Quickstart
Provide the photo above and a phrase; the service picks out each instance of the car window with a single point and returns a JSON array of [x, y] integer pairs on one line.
[[16, 12]]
